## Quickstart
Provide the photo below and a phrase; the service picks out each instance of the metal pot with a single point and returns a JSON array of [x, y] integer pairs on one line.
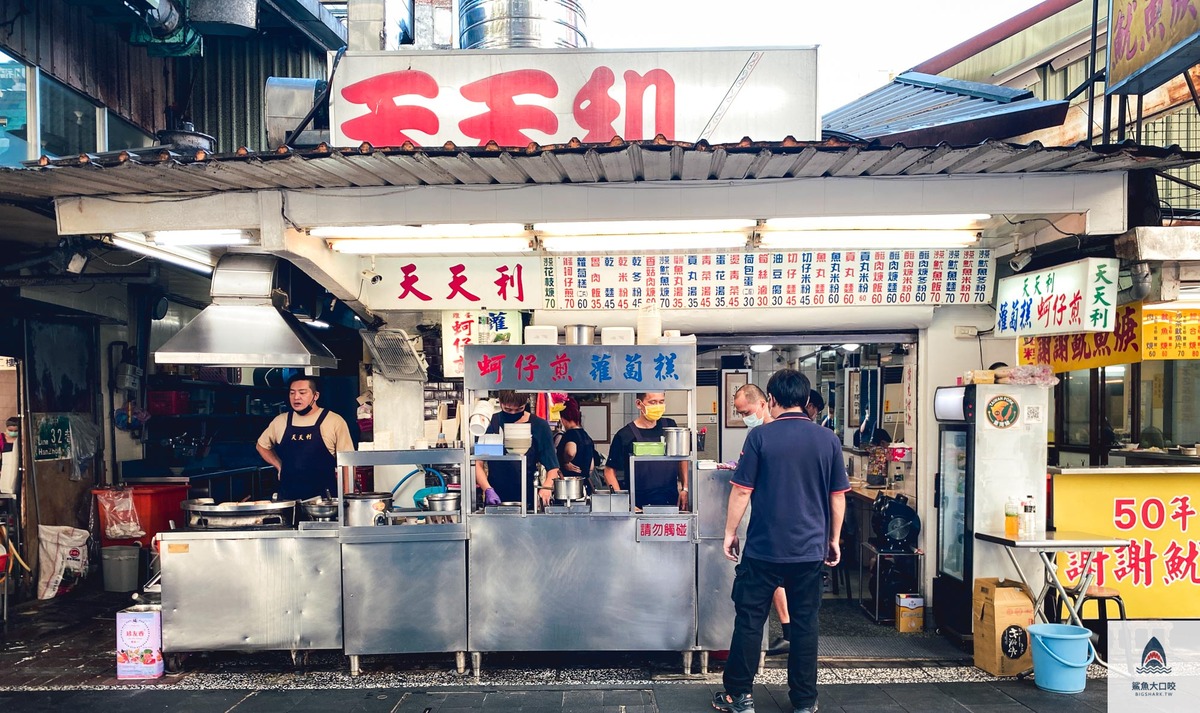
[[366, 509], [580, 334], [568, 488], [442, 502], [207, 514], [678, 440], [320, 508]]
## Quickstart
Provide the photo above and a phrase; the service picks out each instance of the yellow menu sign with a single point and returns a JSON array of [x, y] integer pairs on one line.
[[1071, 352], [1171, 334]]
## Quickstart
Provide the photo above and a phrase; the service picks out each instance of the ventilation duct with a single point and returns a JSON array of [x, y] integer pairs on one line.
[[394, 355], [246, 325], [513, 24], [224, 17]]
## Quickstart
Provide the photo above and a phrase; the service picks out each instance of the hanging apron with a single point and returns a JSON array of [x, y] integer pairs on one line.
[[309, 469]]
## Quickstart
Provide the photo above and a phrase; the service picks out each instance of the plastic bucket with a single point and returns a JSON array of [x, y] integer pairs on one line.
[[120, 567], [1061, 654]]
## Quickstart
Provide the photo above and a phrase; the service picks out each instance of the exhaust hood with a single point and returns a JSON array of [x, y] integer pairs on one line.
[[245, 324]]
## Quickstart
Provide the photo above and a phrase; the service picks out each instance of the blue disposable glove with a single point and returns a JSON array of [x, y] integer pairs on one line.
[[490, 497]]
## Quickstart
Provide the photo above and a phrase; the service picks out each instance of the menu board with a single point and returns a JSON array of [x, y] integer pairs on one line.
[[760, 278], [1171, 334]]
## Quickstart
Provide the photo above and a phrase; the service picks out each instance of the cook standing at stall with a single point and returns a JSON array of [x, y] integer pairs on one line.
[[501, 481], [302, 444], [576, 451], [656, 481]]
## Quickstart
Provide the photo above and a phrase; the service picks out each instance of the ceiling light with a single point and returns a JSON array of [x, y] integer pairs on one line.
[[851, 347], [656, 241], [430, 246], [428, 231], [865, 239], [198, 237], [761, 348], [187, 259], [957, 221], [643, 227]]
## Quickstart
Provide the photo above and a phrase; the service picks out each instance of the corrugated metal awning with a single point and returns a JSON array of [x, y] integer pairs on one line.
[[159, 171]]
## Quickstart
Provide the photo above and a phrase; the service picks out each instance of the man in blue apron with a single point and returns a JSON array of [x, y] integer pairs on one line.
[[302, 443]]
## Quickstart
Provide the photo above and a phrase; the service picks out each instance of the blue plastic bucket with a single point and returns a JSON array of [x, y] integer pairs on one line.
[[1061, 654]]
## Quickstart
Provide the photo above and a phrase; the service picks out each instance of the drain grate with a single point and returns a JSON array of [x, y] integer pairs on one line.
[[887, 648]]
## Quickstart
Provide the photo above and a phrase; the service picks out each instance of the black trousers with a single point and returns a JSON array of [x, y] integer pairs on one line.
[[753, 586]]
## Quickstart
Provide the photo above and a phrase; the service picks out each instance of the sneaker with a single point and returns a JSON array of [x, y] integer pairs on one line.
[[778, 646], [809, 709], [742, 703]]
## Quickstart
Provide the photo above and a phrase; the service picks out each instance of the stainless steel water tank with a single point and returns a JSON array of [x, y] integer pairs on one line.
[[507, 24]]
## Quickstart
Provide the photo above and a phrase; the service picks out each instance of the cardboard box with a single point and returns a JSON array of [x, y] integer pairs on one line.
[[1001, 613], [139, 642], [910, 613]]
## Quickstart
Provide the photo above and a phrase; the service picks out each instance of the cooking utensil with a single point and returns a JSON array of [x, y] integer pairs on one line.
[[366, 509], [568, 488], [442, 502], [580, 334], [678, 441], [320, 508], [206, 513]]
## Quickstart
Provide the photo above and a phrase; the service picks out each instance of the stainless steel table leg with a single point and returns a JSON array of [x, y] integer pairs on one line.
[[476, 662], [354, 669], [687, 663], [460, 661], [704, 663], [762, 662]]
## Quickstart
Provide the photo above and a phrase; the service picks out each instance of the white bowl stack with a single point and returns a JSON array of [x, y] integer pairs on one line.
[[517, 438]]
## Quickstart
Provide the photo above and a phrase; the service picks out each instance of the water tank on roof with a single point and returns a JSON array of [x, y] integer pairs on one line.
[[510, 24]]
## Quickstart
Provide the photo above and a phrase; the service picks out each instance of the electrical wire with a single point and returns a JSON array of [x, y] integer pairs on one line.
[[1047, 221]]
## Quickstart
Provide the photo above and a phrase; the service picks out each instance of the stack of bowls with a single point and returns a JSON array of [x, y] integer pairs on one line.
[[517, 438]]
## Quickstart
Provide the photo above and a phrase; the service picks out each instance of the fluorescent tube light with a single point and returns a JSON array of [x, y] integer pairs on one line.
[[642, 227], [851, 347], [761, 348], [957, 221], [429, 231], [193, 261], [198, 237], [431, 246], [619, 243], [865, 239]]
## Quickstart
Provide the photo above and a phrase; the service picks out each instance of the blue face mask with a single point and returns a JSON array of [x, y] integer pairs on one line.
[[752, 420], [506, 417]]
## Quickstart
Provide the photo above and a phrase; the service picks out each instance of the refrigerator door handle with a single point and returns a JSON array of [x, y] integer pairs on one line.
[[937, 491]]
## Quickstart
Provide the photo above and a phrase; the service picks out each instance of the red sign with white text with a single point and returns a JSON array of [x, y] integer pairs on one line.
[[549, 97]]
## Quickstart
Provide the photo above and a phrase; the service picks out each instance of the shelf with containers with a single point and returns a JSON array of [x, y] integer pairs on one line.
[[187, 416]]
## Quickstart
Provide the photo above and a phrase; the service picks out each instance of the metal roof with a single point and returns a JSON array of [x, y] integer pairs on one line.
[[159, 171], [922, 109]]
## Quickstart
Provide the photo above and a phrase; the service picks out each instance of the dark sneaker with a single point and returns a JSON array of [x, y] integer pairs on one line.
[[743, 703], [808, 709], [778, 646]]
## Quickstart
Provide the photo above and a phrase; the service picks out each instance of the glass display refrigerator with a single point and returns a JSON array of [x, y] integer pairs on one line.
[[992, 446]]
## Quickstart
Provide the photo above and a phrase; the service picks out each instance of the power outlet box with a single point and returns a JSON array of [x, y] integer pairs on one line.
[[965, 332]]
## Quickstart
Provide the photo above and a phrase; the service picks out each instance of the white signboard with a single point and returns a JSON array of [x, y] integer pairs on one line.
[[1080, 296], [758, 278], [478, 283], [516, 97], [463, 327]]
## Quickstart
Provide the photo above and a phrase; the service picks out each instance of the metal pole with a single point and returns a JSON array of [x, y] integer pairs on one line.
[[1091, 100]]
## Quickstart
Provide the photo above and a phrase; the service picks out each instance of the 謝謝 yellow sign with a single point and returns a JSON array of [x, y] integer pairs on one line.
[[1156, 513], [1070, 352], [1171, 334]]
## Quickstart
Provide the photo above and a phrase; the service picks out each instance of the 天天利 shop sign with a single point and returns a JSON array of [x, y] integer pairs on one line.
[[1077, 297], [595, 369], [473, 283], [515, 97]]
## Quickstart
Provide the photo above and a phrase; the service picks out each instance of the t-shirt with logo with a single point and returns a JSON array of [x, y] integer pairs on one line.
[[792, 466]]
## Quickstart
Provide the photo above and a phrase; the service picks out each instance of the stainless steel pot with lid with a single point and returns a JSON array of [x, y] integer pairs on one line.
[[568, 488], [366, 509], [678, 440]]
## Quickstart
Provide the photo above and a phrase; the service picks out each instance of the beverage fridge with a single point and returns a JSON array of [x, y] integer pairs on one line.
[[991, 447]]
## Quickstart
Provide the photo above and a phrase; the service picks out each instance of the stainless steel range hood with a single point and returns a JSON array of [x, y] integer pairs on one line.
[[245, 324]]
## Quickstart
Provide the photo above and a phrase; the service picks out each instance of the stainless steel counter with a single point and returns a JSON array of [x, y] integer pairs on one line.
[[251, 590]]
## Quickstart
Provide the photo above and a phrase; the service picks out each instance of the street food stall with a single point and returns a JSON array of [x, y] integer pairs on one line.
[[599, 574]]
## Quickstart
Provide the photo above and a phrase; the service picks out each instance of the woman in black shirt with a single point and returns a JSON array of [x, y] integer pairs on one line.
[[576, 452]]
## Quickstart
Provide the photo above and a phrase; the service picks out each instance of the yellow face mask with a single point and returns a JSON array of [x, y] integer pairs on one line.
[[655, 411]]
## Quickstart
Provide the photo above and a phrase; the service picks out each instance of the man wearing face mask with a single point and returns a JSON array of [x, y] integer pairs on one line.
[[9, 455], [302, 443], [500, 481], [656, 482]]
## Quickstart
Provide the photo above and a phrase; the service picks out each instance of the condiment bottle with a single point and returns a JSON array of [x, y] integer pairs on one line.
[[441, 441], [1012, 518]]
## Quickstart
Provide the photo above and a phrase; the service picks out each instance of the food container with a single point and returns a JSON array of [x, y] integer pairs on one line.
[[442, 502], [366, 509], [616, 335], [541, 335], [678, 441], [580, 334], [568, 488], [653, 448]]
